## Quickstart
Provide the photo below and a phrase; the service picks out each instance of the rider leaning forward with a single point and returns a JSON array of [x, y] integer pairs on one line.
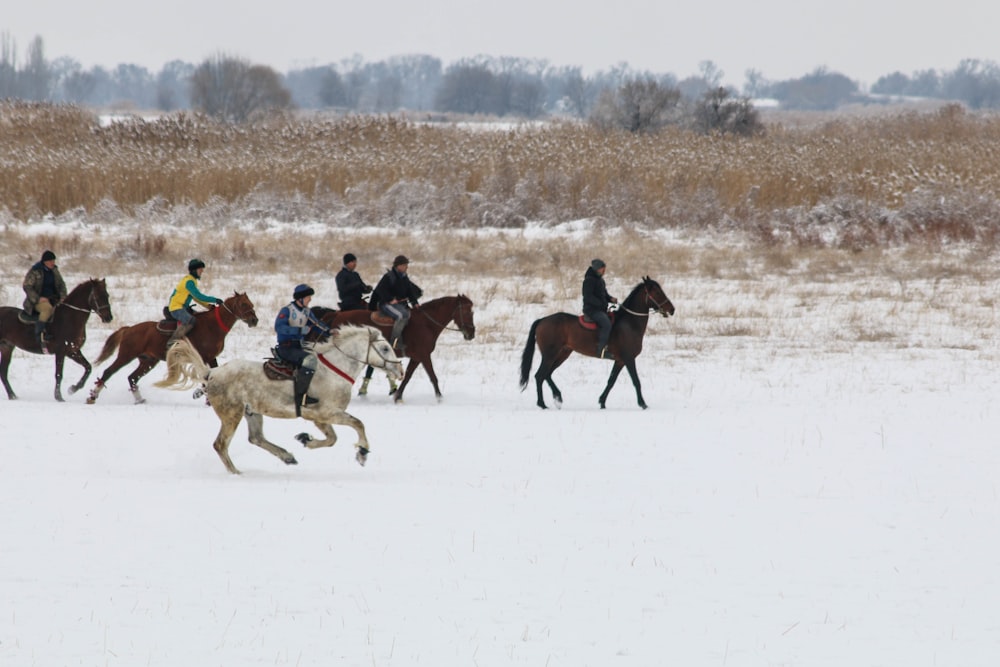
[[294, 322], [185, 292]]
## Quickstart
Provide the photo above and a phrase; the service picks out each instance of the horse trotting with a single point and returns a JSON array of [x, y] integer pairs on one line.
[[241, 389], [147, 343], [427, 321], [67, 330], [560, 334]]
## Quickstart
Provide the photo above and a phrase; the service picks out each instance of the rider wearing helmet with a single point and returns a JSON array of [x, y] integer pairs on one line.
[[294, 322], [394, 295], [186, 291]]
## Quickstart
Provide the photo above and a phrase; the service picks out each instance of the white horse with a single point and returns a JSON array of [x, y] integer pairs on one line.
[[241, 389]]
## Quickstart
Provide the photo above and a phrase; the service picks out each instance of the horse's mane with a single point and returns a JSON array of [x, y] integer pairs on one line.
[[647, 281], [345, 332], [82, 286]]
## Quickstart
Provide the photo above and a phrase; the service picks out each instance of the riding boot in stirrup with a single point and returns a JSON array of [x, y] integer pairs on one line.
[[303, 378], [396, 337], [40, 335], [181, 331]]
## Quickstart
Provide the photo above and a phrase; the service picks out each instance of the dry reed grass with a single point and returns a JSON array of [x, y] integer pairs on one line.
[[851, 183]]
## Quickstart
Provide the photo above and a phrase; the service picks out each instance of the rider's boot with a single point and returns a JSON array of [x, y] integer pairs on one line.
[[396, 336], [181, 331], [303, 378], [40, 335]]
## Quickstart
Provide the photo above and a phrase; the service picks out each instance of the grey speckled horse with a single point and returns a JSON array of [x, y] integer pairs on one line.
[[240, 389]]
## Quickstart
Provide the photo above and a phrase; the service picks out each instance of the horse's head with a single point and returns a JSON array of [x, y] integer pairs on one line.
[[463, 317], [240, 305], [380, 355], [99, 301], [655, 299], [92, 296]]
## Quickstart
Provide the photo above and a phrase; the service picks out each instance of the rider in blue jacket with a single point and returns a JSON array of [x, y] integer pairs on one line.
[[294, 322]]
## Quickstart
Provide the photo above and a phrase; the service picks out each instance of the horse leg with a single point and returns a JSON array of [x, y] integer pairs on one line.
[[544, 374], [346, 419], [60, 360], [368, 378], [429, 367], [556, 363], [6, 351], [255, 427], [312, 443], [410, 368], [77, 356], [615, 370], [230, 420], [146, 364], [102, 381], [634, 374]]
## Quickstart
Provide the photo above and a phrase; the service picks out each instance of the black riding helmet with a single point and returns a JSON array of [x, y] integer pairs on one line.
[[194, 265]]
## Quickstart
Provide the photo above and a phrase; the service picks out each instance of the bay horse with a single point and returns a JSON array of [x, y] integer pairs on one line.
[[427, 321], [67, 330], [241, 389], [147, 343], [560, 334]]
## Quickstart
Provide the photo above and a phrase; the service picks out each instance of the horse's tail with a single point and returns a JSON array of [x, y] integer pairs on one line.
[[110, 345], [529, 354], [185, 367]]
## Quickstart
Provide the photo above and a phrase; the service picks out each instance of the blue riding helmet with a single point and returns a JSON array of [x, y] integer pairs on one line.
[[302, 291]]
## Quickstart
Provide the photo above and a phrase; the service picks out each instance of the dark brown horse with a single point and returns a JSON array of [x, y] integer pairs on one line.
[[149, 344], [560, 334], [427, 321], [67, 329]]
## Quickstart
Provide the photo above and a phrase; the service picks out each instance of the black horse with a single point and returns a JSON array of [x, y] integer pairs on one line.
[[560, 334], [67, 330]]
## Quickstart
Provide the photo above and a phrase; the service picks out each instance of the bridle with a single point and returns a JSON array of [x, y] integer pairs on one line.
[[649, 297], [243, 314], [94, 305], [372, 337], [459, 321]]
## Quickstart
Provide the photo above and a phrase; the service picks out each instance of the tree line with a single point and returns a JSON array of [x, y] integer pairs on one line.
[[234, 89]]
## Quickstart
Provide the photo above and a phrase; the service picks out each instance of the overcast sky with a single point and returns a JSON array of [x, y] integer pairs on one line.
[[780, 38]]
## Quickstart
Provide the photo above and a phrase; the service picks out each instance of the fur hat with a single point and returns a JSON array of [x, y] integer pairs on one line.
[[400, 259], [349, 257], [597, 264], [48, 255]]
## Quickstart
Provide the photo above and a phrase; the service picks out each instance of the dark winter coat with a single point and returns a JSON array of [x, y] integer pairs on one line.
[[595, 293], [39, 282], [395, 285], [351, 287]]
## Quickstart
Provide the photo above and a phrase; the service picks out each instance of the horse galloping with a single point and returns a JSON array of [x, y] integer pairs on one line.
[[240, 388], [560, 334], [67, 332], [149, 344], [427, 321]]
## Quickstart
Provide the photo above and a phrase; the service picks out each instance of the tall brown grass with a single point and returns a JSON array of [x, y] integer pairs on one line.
[[851, 183]]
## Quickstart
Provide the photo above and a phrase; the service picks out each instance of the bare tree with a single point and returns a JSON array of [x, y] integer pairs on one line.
[[639, 105], [233, 90], [717, 111]]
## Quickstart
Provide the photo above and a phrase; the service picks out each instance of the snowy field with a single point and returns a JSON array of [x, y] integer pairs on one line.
[[813, 484]]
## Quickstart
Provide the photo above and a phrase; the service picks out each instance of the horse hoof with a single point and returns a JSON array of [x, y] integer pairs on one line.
[[304, 438], [91, 401], [73, 389], [291, 461], [362, 455], [643, 406]]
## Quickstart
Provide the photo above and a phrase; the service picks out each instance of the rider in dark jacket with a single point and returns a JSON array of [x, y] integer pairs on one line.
[[293, 323], [394, 294], [44, 288], [595, 304], [350, 286]]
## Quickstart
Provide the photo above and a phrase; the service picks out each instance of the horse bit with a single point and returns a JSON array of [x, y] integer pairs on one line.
[[649, 297]]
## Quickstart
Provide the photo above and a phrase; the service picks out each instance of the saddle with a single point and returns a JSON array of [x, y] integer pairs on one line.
[[26, 318], [378, 319], [167, 325], [590, 324], [278, 369]]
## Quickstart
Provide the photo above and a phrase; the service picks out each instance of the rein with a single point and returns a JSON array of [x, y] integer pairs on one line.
[[658, 306], [91, 301], [459, 327], [326, 362]]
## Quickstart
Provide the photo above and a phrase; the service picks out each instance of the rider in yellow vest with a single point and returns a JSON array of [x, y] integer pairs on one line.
[[185, 292]]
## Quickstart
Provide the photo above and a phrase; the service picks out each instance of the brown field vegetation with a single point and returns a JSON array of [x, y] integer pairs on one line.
[[849, 182]]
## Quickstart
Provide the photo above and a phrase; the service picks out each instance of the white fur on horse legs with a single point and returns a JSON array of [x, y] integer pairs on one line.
[[95, 392], [137, 396]]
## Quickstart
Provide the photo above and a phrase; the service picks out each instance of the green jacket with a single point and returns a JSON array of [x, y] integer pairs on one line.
[[34, 280]]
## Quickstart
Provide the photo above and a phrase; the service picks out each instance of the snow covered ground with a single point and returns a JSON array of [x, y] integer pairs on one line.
[[820, 490]]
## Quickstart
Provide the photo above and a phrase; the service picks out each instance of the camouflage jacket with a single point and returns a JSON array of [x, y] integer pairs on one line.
[[34, 280]]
